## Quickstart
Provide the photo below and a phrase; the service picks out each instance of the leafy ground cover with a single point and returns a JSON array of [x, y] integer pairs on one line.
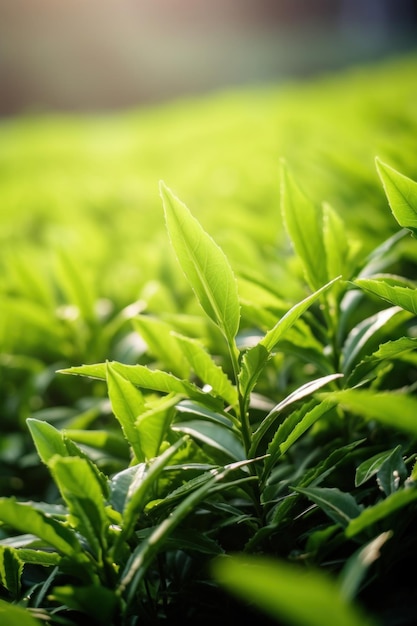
[[208, 359]]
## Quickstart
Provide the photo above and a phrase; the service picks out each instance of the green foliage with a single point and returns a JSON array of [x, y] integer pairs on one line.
[[288, 592], [239, 417]]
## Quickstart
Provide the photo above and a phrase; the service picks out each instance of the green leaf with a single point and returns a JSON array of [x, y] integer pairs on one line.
[[145, 552], [98, 602], [127, 404], [300, 393], [75, 285], [386, 352], [109, 442], [336, 244], [358, 564], [193, 540], [293, 428], [187, 407], [138, 488], [11, 568], [13, 615], [393, 409], [365, 334], [289, 593], [83, 495], [381, 510], [369, 468], [204, 264], [26, 519], [162, 344], [39, 557], [215, 436], [404, 297], [50, 442], [304, 224], [255, 359], [145, 378], [153, 424], [207, 370], [392, 472], [401, 192], [339, 506]]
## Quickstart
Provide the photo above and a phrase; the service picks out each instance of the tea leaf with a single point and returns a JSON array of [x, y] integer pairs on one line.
[[127, 403], [339, 506], [292, 428], [365, 333], [143, 480], [392, 473], [51, 442], [26, 519], [83, 495], [255, 359], [145, 378], [300, 393], [381, 510], [207, 370], [393, 409], [96, 601], [387, 351], [11, 568], [404, 297], [304, 224], [335, 242], [214, 435], [356, 566], [75, 285], [109, 442], [288, 593], [153, 424], [401, 192], [204, 264], [162, 343], [48, 440], [371, 466], [140, 559]]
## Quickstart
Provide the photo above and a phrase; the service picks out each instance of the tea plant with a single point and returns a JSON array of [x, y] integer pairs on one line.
[[266, 429]]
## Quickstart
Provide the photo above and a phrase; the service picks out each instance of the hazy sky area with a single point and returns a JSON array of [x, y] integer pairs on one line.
[[97, 55]]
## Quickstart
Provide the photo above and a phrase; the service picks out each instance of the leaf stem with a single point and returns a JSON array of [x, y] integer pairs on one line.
[[243, 414]]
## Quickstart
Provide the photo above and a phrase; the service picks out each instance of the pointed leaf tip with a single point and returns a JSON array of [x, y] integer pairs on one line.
[[401, 193], [204, 264]]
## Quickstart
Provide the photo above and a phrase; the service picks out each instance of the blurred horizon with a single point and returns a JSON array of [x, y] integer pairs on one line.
[[88, 56]]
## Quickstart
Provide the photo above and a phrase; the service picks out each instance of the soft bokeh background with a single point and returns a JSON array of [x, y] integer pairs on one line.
[[94, 55]]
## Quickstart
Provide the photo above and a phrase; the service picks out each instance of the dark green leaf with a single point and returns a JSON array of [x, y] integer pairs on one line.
[[97, 602], [339, 506], [373, 514]]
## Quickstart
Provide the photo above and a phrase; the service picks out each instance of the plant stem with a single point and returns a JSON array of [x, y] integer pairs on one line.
[[243, 415]]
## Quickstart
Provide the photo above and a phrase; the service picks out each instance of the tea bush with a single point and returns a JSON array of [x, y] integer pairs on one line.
[[209, 413]]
